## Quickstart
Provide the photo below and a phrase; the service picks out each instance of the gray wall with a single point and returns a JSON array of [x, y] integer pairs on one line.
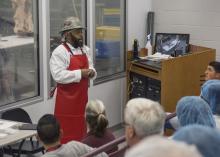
[[137, 19], [199, 18]]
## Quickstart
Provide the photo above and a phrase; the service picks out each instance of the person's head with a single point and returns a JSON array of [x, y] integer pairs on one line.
[[162, 147], [72, 31], [194, 110], [48, 129], [210, 92], [213, 71], [96, 117], [143, 117], [206, 139]]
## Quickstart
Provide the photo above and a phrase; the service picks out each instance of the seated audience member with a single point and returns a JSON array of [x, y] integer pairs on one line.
[[194, 110], [212, 75], [213, 71], [210, 92], [97, 123], [206, 139], [49, 133], [143, 117], [162, 147]]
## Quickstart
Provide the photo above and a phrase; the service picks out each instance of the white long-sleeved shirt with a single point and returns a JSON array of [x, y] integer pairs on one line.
[[60, 60]]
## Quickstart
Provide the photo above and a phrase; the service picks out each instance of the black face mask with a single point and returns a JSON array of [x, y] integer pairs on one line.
[[77, 43]]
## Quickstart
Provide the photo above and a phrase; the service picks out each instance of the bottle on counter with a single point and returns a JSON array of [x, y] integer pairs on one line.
[[148, 46], [135, 49]]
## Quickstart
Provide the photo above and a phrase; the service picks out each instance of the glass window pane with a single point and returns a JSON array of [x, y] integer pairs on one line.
[[60, 10], [109, 34], [18, 50]]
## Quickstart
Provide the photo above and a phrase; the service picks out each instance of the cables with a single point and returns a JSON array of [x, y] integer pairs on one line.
[[130, 87]]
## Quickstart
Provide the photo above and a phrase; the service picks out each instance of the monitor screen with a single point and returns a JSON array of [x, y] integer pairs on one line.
[[172, 43]]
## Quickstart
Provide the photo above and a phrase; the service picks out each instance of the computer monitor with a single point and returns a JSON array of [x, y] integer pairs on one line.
[[172, 43]]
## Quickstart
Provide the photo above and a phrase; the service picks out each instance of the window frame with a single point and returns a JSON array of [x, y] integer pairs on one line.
[[88, 19], [37, 19], [123, 48]]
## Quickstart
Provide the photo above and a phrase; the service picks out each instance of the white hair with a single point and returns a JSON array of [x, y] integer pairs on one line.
[[147, 117], [160, 147], [95, 106]]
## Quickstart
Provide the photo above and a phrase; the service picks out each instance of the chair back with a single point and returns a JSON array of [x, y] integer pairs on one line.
[[25, 146], [170, 116], [120, 152], [107, 147], [16, 114]]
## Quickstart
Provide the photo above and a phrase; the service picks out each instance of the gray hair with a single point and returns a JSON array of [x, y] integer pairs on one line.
[[96, 117], [95, 107], [160, 147], [147, 117]]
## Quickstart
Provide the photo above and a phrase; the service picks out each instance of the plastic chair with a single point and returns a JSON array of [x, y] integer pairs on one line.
[[26, 146]]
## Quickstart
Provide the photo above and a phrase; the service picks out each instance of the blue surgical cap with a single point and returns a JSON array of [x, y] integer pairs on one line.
[[194, 110], [210, 92], [206, 139]]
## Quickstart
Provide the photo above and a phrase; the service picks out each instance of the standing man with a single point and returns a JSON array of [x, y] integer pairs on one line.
[[71, 67]]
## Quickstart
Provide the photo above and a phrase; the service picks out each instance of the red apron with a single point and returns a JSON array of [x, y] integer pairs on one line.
[[71, 100]]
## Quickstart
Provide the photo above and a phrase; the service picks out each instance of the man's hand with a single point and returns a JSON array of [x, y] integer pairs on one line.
[[87, 73], [91, 73]]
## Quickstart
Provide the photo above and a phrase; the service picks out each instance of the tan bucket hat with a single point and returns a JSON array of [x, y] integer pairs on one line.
[[71, 23]]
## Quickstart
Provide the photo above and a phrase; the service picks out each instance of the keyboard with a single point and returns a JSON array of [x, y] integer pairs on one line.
[[154, 64]]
